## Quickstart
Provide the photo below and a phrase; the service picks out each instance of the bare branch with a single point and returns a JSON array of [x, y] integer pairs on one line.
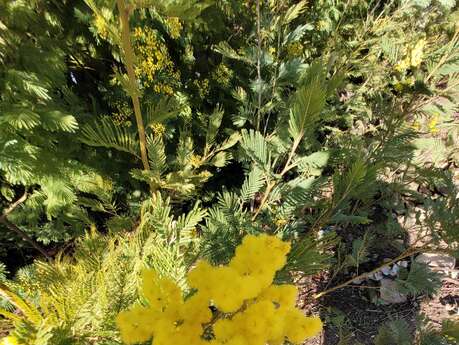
[[14, 228]]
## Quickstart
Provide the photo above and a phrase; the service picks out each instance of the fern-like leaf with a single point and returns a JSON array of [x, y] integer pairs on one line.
[[255, 146], [253, 183], [106, 134], [156, 154], [294, 11], [308, 102], [420, 279]]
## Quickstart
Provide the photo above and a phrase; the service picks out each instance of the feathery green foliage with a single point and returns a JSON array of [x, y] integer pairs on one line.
[[321, 122]]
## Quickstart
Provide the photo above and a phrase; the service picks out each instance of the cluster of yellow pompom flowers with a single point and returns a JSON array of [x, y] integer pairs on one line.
[[10, 340], [413, 58], [247, 308], [155, 67]]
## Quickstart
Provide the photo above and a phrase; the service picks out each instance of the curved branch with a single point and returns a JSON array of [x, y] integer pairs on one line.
[[14, 228]]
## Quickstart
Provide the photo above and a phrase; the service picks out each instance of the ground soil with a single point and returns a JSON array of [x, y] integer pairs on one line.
[[351, 318]]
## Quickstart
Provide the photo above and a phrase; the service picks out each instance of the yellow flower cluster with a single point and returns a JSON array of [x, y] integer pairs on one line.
[[416, 125], [155, 67], [222, 75], [10, 340], [158, 129], [175, 27], [295, 49], [170, 319], [280, 222], [417, 53], [163, 88], [122, 116], [413, 58], [405, 83], [202, 86], [195, 161], [323, 25], [101, 26], [250, 310], [433, 123], [204, 175]]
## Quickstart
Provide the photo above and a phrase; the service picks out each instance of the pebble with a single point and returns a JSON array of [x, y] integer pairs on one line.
[[389, 293], [436, 260]]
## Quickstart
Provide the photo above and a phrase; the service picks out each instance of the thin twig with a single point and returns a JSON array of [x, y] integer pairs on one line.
[[15, 204], [263, 201], [286, 168], [14, 228], [406, 253]]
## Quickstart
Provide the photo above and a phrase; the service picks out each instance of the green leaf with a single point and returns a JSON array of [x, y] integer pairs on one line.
[[422, 3], [229, 142], [351, 219], [314, 163], [297, 33], [107, 134], [221, 159], [335, 82], [20, 118], [290, 70], [308, 103], [297, 193], [253, 183], [255, 146], [215, 120], [29, 82], [431, 150], [294, 11], [186, 10], [161, 111], [187, 223], [55, 120], [225, 49], [359, 252], [394, 332], [447, 4], [351, 183], [450, 328], [7, 192], [119, 224], [156, 154], [184, 150], [59, 194], [420, 279], [308, 256]]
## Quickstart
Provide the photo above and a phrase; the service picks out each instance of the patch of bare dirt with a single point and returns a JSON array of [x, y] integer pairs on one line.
[[444, 305], [351, 318]]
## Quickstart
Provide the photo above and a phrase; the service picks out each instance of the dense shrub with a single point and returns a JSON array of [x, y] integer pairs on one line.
[[141, 134]]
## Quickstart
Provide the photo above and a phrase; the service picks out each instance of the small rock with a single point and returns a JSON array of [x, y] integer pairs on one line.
[[376, 276], [385, 270], [436, 260], [394, 270], [389, 293], [454, 274], [450, 307], [403, 263]]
